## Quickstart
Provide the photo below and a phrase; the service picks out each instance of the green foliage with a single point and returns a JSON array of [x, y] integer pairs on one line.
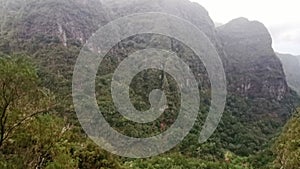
[[35, 137], [262, 159], [177, 161], [21, 97], [39, 144], [32, 136], [287, 147]]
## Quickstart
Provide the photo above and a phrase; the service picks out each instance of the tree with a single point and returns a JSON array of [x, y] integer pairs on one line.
[[42, 143], [287, 147], [21, 97]]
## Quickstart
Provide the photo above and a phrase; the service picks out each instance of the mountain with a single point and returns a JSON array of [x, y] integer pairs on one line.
[[53, 32], [248, 44], [254, 73], [69, 21], [291, 64], [254, 70]]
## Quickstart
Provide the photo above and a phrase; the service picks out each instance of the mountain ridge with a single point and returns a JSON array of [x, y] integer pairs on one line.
[[290, 64], [54, 31]]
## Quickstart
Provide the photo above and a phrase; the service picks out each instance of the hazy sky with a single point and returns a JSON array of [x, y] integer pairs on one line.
[[282, 17]]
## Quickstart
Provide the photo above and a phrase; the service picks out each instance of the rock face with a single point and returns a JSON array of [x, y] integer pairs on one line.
[[254, 69], [291, 65], [68, 20]]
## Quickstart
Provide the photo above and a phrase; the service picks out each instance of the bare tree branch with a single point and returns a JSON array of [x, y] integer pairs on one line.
[[3, 120], [11, 129]]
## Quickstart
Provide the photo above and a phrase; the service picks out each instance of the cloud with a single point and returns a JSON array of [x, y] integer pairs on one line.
[[286, 37], [288, 31]]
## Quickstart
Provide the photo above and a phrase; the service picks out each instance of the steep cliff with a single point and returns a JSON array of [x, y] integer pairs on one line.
[[256, 70], [68, 20]]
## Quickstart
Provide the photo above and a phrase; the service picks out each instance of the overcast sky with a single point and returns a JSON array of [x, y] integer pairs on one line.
[[282, 18]]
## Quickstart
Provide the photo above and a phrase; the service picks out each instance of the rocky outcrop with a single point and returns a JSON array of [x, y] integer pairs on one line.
[[254, 69], [68, 20]]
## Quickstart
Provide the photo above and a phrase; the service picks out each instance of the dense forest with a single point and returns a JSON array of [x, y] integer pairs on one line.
[[39, 45]]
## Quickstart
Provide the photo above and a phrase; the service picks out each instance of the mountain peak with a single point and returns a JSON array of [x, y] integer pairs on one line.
[[246, 35], [241, 19], [244, 25]]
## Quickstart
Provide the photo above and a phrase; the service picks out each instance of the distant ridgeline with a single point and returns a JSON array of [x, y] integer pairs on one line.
[[259, 100], [291, 65]]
